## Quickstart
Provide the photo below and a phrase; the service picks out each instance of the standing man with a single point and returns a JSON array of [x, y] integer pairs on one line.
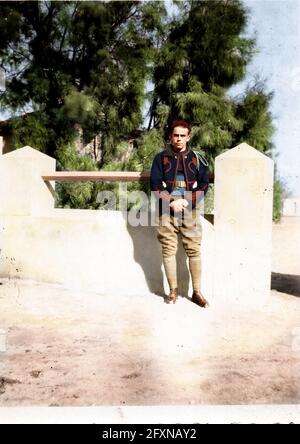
[[179, 178]]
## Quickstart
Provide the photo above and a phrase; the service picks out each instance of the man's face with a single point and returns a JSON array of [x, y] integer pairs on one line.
[[180, 138]]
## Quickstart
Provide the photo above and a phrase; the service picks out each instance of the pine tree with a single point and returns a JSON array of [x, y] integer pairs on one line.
[[77, 63], [204, 55], [71, 63]]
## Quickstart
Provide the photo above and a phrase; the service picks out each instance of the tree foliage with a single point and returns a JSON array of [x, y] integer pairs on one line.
[[78, 62]]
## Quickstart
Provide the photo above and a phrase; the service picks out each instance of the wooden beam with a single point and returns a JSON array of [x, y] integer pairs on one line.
[[101, 176], [98, 176]]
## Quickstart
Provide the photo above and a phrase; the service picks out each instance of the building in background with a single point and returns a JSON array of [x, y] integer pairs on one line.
[[291, 207], [90, 148]]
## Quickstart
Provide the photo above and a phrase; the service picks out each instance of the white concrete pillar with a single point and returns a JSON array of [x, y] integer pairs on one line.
[[243, 225], [22, 189]]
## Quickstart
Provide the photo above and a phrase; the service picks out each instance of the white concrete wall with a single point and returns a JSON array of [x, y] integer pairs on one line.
[[88, 249], [243, 225], [92, 250], [22, 189], [100, 251]]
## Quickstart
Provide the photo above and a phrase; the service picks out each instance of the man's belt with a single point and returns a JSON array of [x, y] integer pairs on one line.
[[180, 184]]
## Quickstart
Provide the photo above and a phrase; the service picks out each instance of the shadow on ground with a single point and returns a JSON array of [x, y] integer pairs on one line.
[[286, 283], [147, 253]]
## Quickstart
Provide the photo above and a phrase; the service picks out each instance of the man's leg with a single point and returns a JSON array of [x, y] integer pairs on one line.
[[167, 236], [191, 234]]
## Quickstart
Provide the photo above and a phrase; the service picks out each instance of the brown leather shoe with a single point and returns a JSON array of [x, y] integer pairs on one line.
[[172, 298], [199, 299]]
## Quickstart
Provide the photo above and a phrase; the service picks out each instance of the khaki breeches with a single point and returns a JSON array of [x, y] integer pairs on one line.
[[187, 226]]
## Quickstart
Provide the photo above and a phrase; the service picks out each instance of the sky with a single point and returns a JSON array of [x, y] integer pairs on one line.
[[276, 25]]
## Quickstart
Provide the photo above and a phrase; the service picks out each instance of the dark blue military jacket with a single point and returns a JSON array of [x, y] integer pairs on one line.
[[164, 171]]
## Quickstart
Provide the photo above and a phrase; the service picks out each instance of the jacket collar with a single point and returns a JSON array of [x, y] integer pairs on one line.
[[170, 152]]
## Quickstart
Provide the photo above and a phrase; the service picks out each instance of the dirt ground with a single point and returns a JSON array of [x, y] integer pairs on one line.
[[61, 347]]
